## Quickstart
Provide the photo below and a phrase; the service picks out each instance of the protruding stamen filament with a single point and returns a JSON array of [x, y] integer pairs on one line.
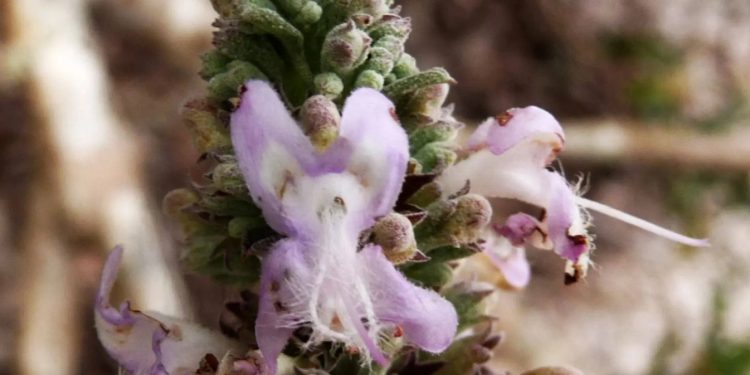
[[640, 223]]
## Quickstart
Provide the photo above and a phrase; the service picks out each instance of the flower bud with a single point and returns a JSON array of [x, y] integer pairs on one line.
[[395, 234], [371, 79], [226, 85], [391, 24], [227, 177], [405, 66], [308, 14], [472, 214], [177, 200], [328, 85], [320, 121], [207, 130], [439, 131], [345, 48], [392, 44], [435, 157], [380, 61], [374, 8], [429, 100]]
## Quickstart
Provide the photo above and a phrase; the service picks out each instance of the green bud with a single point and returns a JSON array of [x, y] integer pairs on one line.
[[435, 157], [371, 79], [380, 61], [213, 63], [410, 84], [207, 130], [391, 24], [227, 177], [426, 195], [395, 234], [309, 14], [405, 66], [328, 85], [473, 213], [226, 85], [428, 100], [177, 200], [439, 131], [374, 8], [392, 44], [454, 222], [345, 48], [320, 121]]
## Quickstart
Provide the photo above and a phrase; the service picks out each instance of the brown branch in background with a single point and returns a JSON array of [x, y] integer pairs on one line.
[[615, 142], [88, 194]]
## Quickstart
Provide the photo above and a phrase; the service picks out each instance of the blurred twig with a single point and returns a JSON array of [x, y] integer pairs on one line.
[[611, 141], [88, 193]]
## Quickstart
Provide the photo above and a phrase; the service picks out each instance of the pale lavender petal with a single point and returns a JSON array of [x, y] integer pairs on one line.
[[427, 319], [148, 343], [519, 124], [380, 147], [273, 327], [478, 139], [564, 220], [271, 149], [512, 263], [518, 228]]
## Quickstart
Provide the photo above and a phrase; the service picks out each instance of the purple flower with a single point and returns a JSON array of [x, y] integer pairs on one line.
[[507, 157], [150, 343], [321, 201]]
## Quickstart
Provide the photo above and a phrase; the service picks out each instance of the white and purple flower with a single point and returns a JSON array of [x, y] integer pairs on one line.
[[507, 157], [154, 344], [321, 200]]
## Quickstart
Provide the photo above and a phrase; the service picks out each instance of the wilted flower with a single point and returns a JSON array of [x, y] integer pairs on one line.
[[151, 343], [320, 276], [507, 157]]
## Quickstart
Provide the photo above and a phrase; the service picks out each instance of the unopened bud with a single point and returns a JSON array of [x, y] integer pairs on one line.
[[480, 354], [472, 214], [391, 24], [429, 100], [392, 44], [405, 66], [207, 130], [371, 79], [435, 157], [227, 177], [439, 131], [309, 13], [328, 85], [374, 8], [395, 234], [320, 121], [381, 61], [226, 85], [345, 48], [177, 200]]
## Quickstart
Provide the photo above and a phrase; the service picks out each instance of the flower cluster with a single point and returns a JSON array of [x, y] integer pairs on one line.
[[339, 202]]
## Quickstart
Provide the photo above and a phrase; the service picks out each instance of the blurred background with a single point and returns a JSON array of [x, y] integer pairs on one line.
[[653, 96]]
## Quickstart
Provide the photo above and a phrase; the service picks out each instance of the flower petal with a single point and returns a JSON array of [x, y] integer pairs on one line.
[[271, 149], [380, 147], [272, 327], [509, 259], [151, 343], [428, 320]]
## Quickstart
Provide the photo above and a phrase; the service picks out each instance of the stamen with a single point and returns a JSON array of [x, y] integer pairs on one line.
[[640, 223]]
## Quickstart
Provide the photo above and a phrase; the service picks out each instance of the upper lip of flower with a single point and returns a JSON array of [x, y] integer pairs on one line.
[[322, 201]]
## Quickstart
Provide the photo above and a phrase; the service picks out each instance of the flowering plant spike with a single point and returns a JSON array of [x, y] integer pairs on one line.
[[337, 203]]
